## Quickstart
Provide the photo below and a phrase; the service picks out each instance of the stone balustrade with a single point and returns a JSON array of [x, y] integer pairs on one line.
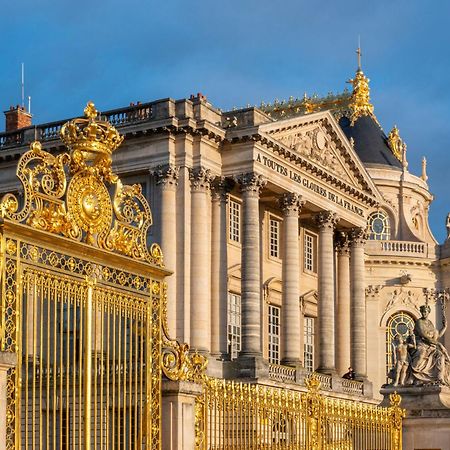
[[46, 132], [400, 248], [288, 374], [282, 373], [352, 387]]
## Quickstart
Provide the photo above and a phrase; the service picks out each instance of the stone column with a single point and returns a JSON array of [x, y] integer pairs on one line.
[[167, 179], [219, 291], [200, 261], [343, 305], [291, 204], [251, 186], [326, 220], [358, 303]]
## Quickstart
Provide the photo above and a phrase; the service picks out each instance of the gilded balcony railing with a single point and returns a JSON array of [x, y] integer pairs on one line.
[[232, 415]]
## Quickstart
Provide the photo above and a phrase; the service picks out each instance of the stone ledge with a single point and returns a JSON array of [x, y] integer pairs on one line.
[[420, 400]]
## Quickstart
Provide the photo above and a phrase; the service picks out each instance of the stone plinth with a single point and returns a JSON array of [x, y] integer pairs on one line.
[[427, 422], [178, 414]]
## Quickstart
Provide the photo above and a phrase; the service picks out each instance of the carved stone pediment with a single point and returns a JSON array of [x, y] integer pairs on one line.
[[317, 146]]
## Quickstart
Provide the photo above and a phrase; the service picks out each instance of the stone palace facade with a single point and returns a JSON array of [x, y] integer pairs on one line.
[[298, 238]]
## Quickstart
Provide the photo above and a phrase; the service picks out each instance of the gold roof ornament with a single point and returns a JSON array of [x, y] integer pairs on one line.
[[360, 98], [396, 143], [69, 194]]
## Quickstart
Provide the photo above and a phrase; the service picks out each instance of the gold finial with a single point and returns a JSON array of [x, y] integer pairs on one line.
[[360, 99], [90, 112], [358, 52], [396, 143]]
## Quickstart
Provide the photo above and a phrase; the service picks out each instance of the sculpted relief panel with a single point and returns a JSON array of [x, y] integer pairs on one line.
[[316, 145]]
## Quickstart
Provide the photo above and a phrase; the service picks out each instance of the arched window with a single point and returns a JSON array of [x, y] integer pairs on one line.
[[379, 226], [399, 324]]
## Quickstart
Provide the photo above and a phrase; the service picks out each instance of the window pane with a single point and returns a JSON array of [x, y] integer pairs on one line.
[[274, 238], [235, 219], [234, 325], [308, 260], [274, 334], [309, 343]]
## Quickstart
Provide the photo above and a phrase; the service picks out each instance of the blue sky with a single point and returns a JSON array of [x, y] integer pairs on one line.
[[238, 52]]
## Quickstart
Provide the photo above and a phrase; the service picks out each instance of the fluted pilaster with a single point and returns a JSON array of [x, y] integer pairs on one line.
[[358, 338], [251, 185], [219, 291], [167, 180], [343, 304], [326, 221], [200, 318], [292, 354]]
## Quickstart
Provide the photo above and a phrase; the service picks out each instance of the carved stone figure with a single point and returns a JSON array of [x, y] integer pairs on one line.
[[447, 225], [430, 360], [402, 359], [421, 359]]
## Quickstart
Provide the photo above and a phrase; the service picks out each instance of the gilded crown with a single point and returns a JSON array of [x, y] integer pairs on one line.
[[90, 135]]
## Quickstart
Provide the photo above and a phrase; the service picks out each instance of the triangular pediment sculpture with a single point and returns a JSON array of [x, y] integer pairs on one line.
[[318, 139]]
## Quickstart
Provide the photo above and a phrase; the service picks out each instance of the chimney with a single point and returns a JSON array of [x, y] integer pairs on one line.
[[16, 118]]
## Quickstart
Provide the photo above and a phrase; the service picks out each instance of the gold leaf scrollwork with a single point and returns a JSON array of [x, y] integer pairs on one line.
[[83, 210]]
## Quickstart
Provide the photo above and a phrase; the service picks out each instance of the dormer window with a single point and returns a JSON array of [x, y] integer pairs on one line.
[[379, 226]]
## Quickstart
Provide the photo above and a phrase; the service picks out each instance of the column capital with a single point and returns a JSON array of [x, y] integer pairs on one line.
[[326, 219], [291, 203], [358, 237], [220, 189], [166, 175], [201, 179], [342, 243], [251, 182]]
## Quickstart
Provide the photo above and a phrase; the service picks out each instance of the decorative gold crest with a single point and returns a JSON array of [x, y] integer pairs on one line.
[[83, 211]]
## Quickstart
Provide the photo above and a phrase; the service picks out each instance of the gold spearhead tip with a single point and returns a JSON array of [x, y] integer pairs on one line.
[[395, 399]]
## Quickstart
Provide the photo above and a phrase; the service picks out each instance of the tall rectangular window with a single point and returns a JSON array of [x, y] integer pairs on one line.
[[308, 256], [308, 355], [234, 221], [234, 325], [274, 238], [274, 334]]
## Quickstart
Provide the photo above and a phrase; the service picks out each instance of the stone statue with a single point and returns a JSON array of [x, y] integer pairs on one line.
[[447, 225], [402, 359], [430, 362], [421, 359]]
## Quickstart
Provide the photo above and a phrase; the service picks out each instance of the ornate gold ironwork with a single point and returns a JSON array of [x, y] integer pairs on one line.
[[82, 209], [230, 414], [360, 99], [396, 142], [88, 354]]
